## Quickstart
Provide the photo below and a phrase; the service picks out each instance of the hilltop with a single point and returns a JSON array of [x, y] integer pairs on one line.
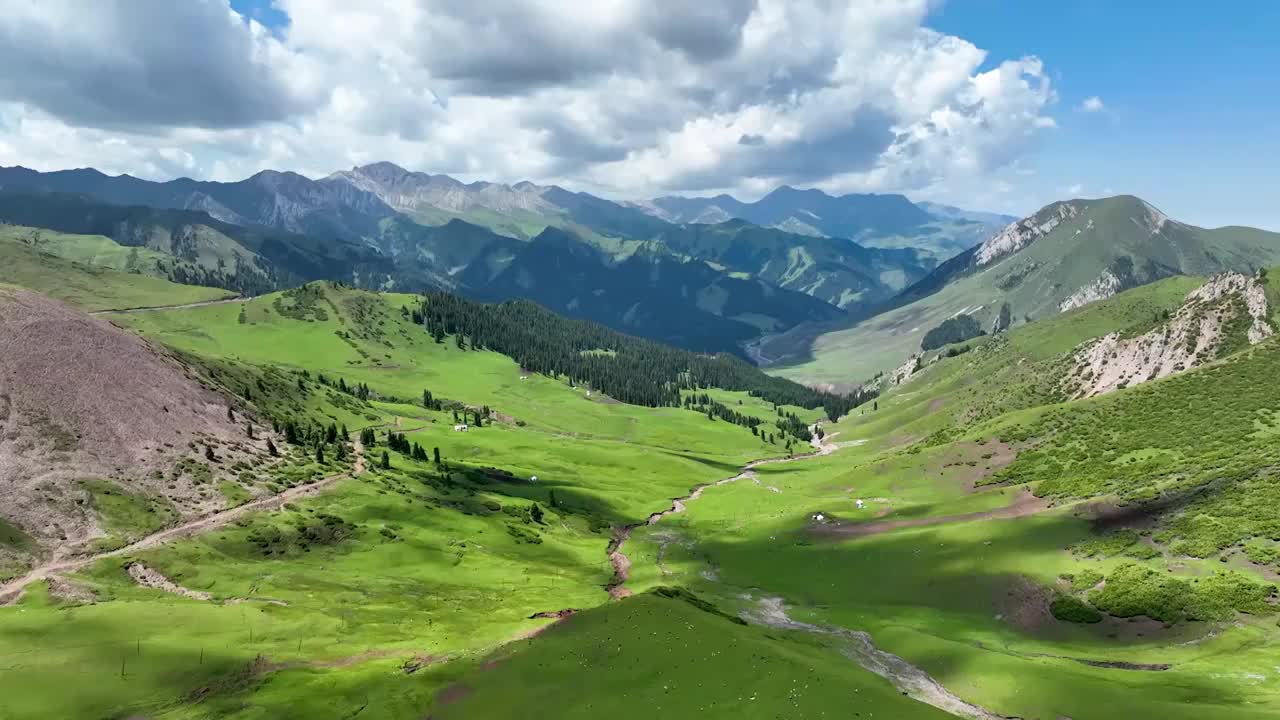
[[1066, 255]]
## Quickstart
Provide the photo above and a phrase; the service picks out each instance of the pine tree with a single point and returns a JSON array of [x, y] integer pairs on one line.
[[320, 454], [345, 435], [436, 453], [386, 460], [535, 513], [341, 451], [208, 454], [331, 435], [271, 449]]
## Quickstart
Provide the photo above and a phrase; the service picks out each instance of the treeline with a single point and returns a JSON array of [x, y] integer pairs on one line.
[[787, 423], [631, 370]]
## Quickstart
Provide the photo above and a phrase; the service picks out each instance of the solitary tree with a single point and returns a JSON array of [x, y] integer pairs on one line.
[[271, 449], [320, 454], [208, 454], [535, 513], [386, 460], [436, 452]]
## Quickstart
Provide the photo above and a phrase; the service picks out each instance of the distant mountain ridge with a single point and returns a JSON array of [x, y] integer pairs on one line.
[[381, 226], [877, 220], [1068, 254]]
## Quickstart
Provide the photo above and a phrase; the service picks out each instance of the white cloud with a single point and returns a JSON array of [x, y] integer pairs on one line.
[[625, 97], [1074, 190], [1092, 104]]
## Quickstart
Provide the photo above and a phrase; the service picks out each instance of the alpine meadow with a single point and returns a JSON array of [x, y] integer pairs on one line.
[[742, 360]]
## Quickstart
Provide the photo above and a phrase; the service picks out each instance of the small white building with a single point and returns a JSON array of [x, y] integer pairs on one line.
[[860, 504], [460, 428], [533, 478]]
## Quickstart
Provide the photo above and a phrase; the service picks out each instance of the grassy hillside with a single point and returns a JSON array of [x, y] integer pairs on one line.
[[1092, 249], [1097, 558], [90, 272], [971, 541]]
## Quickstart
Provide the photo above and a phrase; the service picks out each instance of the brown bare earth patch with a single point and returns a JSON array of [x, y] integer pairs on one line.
[[972, 462], [1024, 504], [1024, 604], [85, 399]]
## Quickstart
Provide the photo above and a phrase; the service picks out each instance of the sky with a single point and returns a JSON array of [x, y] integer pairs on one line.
[[1001, 105]]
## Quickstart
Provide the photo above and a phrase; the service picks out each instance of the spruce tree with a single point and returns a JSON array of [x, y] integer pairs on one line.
[[320, 454], [271, 449], [386, 460], [436, 453]]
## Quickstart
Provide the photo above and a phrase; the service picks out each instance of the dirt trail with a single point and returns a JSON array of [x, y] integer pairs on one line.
[[12, 590], [858, 647], [622, 564], [205, 303], [1023, 504]]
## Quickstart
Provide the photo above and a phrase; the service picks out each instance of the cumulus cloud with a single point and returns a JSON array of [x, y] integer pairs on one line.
[[624, 97], [1092, 104], [153, 63]]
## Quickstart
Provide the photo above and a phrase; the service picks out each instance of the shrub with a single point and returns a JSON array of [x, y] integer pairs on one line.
[[1071, 609]]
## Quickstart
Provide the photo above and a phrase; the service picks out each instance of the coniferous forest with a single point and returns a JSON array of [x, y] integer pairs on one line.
[[629, 369]]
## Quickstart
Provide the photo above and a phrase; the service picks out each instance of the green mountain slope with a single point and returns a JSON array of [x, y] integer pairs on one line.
[[91, 272], [683, 302], [1068, 254], [882, 221], [837, 271]]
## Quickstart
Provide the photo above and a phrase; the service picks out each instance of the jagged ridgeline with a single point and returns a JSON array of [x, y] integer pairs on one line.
[[629, 369]]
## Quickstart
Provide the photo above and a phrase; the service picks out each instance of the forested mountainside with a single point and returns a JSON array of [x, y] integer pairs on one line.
[[392, 228]]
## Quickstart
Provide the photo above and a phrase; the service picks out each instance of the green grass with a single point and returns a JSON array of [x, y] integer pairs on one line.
[[654, 656], [318, 608], [90, 286], [125, 515]]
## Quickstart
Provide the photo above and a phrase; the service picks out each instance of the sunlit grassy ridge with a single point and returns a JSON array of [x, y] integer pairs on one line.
[[90, 272]]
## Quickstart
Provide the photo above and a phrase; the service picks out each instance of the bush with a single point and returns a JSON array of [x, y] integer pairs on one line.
[[1086, 579], [1071, 609]]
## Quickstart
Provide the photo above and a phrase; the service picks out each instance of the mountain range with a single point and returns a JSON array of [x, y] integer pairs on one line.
[[380, 226], [1065, 256]]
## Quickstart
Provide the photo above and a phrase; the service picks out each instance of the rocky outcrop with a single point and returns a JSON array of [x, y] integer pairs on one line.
[[1017, 235], [906, 370], [1104, 287], [1228, 310]]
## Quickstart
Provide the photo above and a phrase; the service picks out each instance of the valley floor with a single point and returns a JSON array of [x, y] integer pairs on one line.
[[662, 563]]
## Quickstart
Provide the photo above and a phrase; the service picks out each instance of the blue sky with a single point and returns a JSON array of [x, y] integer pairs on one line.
[[1191, 96], [982, 104]]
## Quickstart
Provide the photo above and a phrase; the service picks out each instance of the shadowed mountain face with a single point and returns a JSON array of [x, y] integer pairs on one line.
[[687, 303], [887, 221]]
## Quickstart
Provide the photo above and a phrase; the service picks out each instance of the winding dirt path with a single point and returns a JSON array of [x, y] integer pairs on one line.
[[12, 590], [622, 564], [858, 647], [151, 308]]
